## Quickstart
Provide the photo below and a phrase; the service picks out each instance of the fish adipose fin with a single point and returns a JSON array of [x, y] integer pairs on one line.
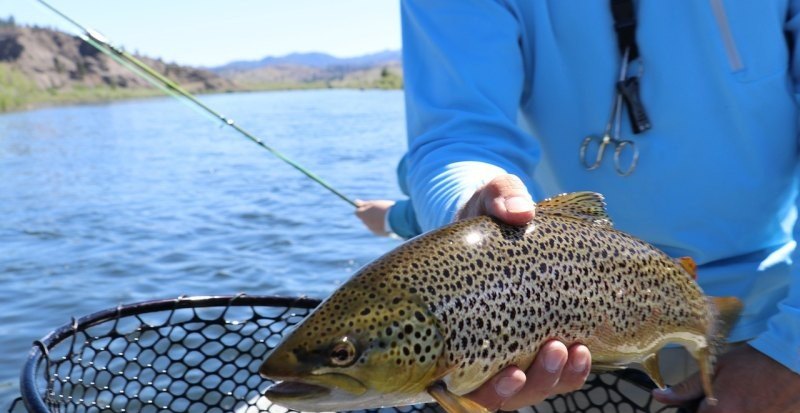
[[587, 206], [453, 403], [688, 264]]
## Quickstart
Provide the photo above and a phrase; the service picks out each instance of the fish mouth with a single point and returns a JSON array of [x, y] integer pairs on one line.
[[314, 387], [293, 390]]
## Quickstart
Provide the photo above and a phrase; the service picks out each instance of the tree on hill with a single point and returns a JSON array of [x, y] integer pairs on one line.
[[9, 22]]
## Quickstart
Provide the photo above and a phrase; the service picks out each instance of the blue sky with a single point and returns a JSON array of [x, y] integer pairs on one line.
[[214, 32]]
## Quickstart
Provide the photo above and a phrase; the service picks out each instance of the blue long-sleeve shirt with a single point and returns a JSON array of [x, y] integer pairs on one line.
[[497, 86]]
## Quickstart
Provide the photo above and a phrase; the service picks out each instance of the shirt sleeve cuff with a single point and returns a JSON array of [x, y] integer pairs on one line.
[[402, 221]]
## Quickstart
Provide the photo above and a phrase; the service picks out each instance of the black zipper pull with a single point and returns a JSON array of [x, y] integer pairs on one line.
[[629, 88]]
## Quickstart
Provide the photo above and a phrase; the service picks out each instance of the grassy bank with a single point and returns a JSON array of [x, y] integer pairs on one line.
[[18, 92]]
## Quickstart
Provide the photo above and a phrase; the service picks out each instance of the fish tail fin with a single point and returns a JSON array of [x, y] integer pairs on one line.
[[707, 359], [725, 312]]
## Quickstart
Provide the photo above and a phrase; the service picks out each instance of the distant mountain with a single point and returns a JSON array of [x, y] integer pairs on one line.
[[382, 70], [314, 60]]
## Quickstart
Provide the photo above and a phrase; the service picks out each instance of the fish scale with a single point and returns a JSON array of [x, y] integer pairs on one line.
[[444, 312]]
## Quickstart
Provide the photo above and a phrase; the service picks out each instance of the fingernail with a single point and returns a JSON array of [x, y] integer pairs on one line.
[[507, 387], [518, 204], [552, 362], [578, 363], [664, 392]]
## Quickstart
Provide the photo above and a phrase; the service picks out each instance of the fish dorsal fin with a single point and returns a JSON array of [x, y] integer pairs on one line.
[[689, 265], [587, 206]]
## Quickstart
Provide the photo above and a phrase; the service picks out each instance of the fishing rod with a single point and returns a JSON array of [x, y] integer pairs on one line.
[[146, 72]]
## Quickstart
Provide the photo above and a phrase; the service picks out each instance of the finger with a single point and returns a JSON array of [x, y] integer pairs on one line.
[[494, 393], [574, 375], [682, 393], [504, 197], [507, 199], [542, 376]]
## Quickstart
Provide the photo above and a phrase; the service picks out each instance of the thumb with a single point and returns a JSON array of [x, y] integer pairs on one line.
[[494, 393], [504, 197], [682, 393]]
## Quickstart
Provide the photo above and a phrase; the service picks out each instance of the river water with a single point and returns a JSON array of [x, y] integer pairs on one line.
[[131, 201]]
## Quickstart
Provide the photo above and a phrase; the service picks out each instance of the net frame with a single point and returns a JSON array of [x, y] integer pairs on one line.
[[53, 361]]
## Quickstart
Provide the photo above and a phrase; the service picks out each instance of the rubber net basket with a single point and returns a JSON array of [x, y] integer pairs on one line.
[[202, 354]]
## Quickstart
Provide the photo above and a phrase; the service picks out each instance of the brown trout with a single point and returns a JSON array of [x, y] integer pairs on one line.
[[442, 313]]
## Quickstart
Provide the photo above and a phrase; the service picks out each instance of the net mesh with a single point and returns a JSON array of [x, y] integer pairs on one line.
[[203, 355]]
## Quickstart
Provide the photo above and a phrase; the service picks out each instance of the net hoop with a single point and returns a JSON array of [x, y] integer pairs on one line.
[[41, 375]]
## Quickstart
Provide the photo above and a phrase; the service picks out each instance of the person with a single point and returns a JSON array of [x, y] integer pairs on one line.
[[501, 94], [385, 217]]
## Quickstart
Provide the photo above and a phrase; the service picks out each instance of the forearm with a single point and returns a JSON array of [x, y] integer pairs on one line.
[[464, 83]]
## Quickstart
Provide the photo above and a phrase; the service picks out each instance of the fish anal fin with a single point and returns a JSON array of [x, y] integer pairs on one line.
[[688, 264], [727, 310], [453, 403], [587, 206], [650, 365]]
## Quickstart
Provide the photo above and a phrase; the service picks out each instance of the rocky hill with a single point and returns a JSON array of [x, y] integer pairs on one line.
[[40, 66]]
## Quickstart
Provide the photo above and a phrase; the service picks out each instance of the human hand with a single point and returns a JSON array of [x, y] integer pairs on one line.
[[746, 381], [504, 197], [373, 214], [555, 370]]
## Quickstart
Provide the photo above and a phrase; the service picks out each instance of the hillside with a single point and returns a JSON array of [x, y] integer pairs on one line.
[[40, 66]]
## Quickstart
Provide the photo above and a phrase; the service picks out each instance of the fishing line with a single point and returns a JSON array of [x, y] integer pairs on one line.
[[163, 83]]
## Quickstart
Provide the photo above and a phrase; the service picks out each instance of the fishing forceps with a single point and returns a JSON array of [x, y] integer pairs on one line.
[[611, 135]]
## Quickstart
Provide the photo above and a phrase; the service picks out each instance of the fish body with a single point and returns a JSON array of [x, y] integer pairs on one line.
[[436, 317]]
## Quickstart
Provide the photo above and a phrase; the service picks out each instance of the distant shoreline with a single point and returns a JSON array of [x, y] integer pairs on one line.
[[41, 67], [109, 96]]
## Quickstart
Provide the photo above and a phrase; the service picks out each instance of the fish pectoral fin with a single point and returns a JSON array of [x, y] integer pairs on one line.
[[650, 365], [453, 403], [586, 206]]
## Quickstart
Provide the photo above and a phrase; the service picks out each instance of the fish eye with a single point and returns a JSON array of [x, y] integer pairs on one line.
[[343, 353]]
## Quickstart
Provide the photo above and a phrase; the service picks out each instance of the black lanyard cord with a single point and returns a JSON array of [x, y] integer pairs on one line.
[[625, 26]]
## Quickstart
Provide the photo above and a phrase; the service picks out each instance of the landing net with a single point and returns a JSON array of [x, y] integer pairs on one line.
[[202, 354]]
